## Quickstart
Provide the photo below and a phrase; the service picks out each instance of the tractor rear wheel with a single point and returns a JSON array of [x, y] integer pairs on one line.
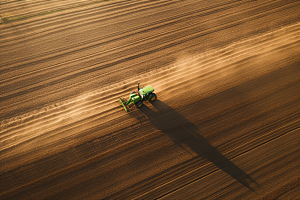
[[139, 104], [152, 97]]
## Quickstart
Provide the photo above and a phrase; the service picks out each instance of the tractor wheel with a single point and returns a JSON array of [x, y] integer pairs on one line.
[[152, 97], [139, 104]]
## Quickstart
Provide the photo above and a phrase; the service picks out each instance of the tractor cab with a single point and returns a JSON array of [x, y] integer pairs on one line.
[[144, 92]]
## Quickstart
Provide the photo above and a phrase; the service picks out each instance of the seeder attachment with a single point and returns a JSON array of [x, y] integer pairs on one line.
[[123, 102]]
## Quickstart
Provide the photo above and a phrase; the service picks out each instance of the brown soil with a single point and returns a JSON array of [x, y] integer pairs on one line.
[[225, 124]]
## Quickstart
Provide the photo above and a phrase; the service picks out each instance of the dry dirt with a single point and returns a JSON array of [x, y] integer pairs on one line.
[[226, 124]]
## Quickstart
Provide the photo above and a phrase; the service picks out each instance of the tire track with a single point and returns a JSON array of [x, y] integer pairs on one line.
[[105, 66], [274, 165], [88, 147], [211, 62], [87, 15], [133, 78], [138, 42], [127, 32], [187, 173]]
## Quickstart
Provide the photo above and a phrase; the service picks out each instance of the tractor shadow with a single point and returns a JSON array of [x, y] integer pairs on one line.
[[180, 130]]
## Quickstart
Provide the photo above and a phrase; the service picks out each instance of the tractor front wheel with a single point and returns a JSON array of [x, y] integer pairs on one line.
[[139, 104], [152, 97]]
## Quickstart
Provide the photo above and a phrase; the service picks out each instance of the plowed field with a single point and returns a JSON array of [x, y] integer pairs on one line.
[[226, 124]]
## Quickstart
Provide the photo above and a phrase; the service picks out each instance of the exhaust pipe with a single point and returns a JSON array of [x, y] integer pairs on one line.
[[138, 86]]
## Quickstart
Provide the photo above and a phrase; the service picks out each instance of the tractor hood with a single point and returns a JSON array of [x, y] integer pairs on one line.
[[146, 90]]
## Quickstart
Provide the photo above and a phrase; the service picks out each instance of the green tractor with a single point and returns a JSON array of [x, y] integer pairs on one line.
[[137, 99]]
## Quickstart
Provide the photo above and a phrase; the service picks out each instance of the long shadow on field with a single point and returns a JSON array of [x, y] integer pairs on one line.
[[181, 130]]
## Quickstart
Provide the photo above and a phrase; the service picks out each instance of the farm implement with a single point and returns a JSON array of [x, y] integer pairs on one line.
[[137, 98]]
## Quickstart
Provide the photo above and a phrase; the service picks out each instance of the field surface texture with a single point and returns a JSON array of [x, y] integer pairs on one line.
[[225, 125]]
